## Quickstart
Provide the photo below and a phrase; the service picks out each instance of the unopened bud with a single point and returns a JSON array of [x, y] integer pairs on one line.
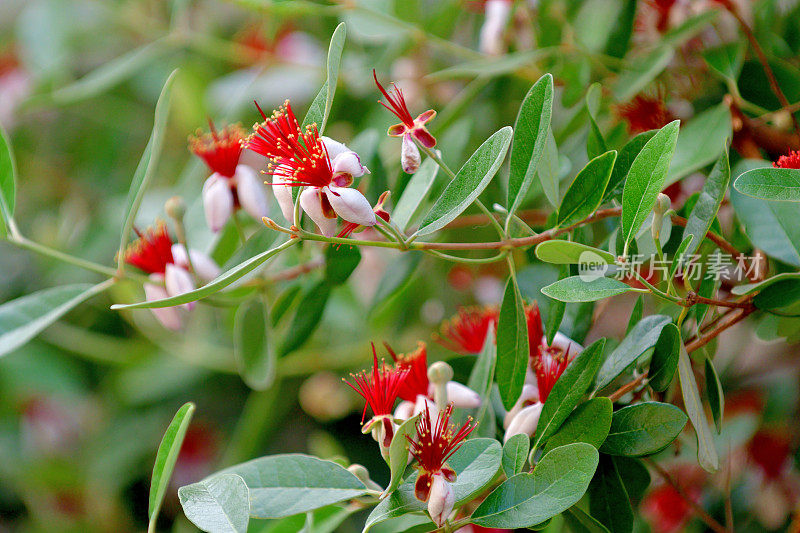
[[441, 500], [440, 372], [410, 158], [362, 474], [175, 208], [663, 203]]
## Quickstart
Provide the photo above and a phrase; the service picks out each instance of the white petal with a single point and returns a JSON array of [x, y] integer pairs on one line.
[[404, 410], [441, 500], [178, 281], [333, 148], [419, 407], [311, 204], [351, 205], [217, 201], [530, 393], [204, 266], [563, 343], [409, 155], [283, 194], [462, 396], [525, 421], [349, 163], [169, 317], [251, 193]]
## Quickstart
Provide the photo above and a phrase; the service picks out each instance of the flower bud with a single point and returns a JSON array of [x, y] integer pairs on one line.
[[175, 208], [217, 202], [409, 155], [663, 203], [530, 394], [525, 421], [441, 500], [440, 373], [178, 281]]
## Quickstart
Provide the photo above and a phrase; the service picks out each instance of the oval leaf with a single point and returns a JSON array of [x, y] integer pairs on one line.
[[705, 209], [469, 183], [166, 457], [664, 362], [512, 345], [779, 184], [559, 480], [589, 423], [643, 429], [560, 252], [515, 453], [530, 137], [251, 347], [586, 191], [576, 289], [646, 179], [218, 505], [623, 163], [608, 499]]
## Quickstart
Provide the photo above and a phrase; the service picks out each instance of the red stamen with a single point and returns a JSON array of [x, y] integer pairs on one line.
[[298, 157], [644, 113], [397, 103], [535, 328], [380, 388], [152, 251], [220, 150], [790, 160], [466, 332], [435, 443], [549, 364], [416, 362]]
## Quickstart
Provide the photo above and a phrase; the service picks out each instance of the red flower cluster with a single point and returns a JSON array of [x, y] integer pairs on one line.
[[220, 150], [790, 160], [416, 380], [152, 252], [644, 113], [466, 332]]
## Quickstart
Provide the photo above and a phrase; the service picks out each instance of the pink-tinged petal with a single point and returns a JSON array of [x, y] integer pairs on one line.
[[422, 401], [404, 410], [311, 202], [448, 473], [530, 395], [348, 163], [409, 155], [351, 205], [251, 193], [178, 281], [424, 137], [169, 317], [462, 396], [397, 130], [525, 422], [565, 344], [424, 118], [441, 501], [217, 201], [283, 194], [333, 148], [422, 487], [205, 267]]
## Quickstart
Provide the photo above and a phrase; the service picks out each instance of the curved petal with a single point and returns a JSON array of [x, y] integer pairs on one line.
[[409, 155], [425, 116], [217, 201], [530, 393], [525, 421], [311, 202], [205, 267], [283, 194], [170, 317], [404, 410], [251, 193], [348, 163], [424, 137], [565, 344], [178, 281], [419, 406], [351, 205], [333, 148], [462, 396], [441, 500]]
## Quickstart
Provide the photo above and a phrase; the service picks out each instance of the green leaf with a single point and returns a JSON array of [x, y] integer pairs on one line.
[[515, 453], [643, 429], [147, 165], [108, 75], [318, 113], [678, 257], [589, 423], [560, 252], [579, 521], [218, 505], [24, 318], [641, 338], [608, 499], [777, 184], [395, 278], [700, 142], [555, 311], [287, 484], [585, 193], [307, 317], [646, 179], [706, 451], [750, 288], [595, 144], [476, 464], [636, 314], [398, 453], [726, 60], [480, 380], [559, 480], [8, 181], [415, 193], [664, 361], [716, 398], [575, 289], [512, 344], [568, 391], [252, 349], [549, 170], [705, 209], [530, 137], [166, 457], [623, 164], [216, 285], [641, 72], [635, 477], [619, 40], [469, 182], [340, 262]]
